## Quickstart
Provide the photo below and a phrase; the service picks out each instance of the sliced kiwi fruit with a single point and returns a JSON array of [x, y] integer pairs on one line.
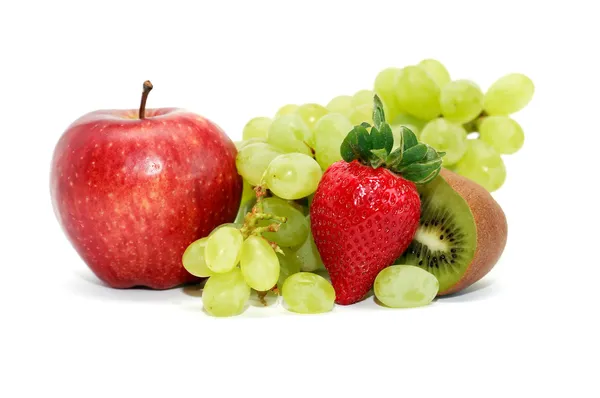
[[461, 235], [446, 239]]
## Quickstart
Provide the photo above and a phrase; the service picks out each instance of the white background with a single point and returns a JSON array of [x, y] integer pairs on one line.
[[528, 329]]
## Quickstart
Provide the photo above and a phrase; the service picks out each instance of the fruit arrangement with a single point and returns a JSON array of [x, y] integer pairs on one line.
[[381, 191]]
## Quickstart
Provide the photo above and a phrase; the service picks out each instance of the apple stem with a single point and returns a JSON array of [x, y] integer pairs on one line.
[[147, 87]]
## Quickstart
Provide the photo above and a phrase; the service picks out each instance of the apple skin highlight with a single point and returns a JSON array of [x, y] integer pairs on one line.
[[131, 194]]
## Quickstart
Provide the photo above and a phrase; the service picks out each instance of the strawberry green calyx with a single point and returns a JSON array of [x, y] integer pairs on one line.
[[372, 146]]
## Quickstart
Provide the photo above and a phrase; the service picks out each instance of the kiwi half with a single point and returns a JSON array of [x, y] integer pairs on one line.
[[462, 232], [446, 239]]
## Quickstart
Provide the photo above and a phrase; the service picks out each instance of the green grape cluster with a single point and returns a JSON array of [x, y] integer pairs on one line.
[[443, 112], [269, 243]]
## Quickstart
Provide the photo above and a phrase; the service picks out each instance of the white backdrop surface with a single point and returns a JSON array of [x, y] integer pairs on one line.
[[528, 329]]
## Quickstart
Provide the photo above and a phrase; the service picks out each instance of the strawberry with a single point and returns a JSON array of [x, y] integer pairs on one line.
[[366, 209]]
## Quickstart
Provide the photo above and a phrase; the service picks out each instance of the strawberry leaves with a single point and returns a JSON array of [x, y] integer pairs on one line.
[[415, 161]]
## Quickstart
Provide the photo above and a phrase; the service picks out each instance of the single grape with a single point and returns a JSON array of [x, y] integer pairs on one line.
[[293, 176], [226, 294], [222, 251], [245, 208], [417, 93], [482, 164], [405, 286], [310, 200], [259, 264], [311, 113], [502, 133], [286, 110], [330, 131], [436, 70], [341, 104], [406, 119], [252, 161], [235, 225], [293, 231], [362, 113], [509, 94], [289, 133], [446, 137], [363, 97], [308, 255], [385, 86], [461, 101], [257, 128], [247, 192], [299, 204], [308, 293], [193, 259], [289, 265], [239, 145]]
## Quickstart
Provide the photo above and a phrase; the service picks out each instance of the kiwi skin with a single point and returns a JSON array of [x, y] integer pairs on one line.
[[490, 222]]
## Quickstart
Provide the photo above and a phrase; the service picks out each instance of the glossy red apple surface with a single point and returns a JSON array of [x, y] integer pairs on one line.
[[132, 193]]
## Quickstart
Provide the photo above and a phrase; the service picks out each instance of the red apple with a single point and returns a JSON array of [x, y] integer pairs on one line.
[[132, 189]]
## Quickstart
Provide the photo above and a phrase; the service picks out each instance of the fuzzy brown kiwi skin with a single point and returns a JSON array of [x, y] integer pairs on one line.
[[490, 222]]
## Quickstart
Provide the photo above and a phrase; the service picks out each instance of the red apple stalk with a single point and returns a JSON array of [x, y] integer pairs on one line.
[[133, 188]]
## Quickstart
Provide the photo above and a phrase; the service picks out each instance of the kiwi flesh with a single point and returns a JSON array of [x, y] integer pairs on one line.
[[461, 235]]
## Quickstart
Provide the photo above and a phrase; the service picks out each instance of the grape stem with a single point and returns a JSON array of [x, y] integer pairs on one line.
[[251, 219], [261, 297]]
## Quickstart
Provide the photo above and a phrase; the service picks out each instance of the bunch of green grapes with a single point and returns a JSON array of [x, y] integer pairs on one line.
[[269, 247], [442, 112]]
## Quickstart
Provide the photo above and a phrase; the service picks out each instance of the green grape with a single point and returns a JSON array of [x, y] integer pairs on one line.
[[286, 110], [417, 93], [446, 137], [461, 101], [308, 255], [226, 294], [308, 293], [289, 265], [299, 204], [289, 133], [436, 70], [405, 286], [310, 200], [222, 251], [483, 165], [362, 113], [502, 133], [385, 87], [293, 176], [341, 104], [259, 264], [235, 225], [311, 113], [330, 131], [257, 128], [247, 192], [245, 208], [293, 231], [193, 259], [242, 144], [252, 161], [509, 94], [363, 97], [405, 119]]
